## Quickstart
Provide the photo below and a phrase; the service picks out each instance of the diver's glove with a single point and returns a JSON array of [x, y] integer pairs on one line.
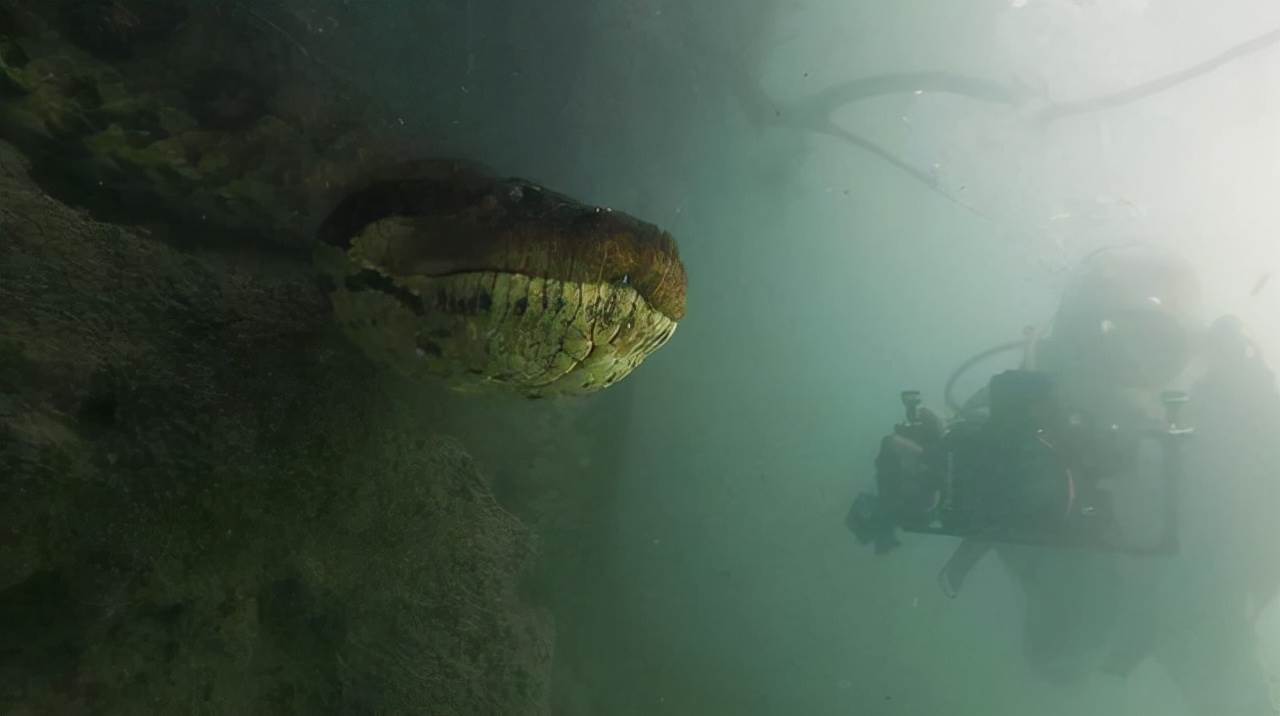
[[871, 524]]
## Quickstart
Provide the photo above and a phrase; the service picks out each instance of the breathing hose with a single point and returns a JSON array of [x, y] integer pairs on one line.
[[948, 393]]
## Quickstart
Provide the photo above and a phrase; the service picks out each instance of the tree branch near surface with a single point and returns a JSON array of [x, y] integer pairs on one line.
[[816, 112], [1160, 84]]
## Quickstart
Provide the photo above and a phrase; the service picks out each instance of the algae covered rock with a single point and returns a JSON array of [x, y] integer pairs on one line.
[[204, 115], [211, 503], [449, 271], [114, 28]]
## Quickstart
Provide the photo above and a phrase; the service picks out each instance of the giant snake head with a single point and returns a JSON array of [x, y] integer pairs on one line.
[[445, 270]]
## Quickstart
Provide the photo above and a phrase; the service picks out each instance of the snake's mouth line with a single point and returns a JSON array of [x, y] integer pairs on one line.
[[536, 335]]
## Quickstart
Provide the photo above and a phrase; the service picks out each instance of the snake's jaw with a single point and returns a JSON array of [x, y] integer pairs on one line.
[[499, 284]]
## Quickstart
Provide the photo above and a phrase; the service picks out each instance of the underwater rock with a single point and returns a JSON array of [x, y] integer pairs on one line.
[[446, 270], [114, 28], [206, 122], [225, 99], [211, 503]]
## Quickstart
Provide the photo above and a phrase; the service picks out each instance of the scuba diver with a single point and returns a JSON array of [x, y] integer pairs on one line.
[[1131, 535]]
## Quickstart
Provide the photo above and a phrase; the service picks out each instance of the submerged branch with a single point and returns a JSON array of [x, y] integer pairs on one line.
[[863, 88], [1160, 84], [763, 111], [816, 112], [924, 178]]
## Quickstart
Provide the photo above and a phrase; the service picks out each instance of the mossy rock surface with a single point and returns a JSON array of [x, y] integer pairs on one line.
[[209, 503], [204, 114]]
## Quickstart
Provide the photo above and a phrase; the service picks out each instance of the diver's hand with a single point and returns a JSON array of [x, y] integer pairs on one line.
[[925, 431], [871, 524], [903, 474], [902, 452]]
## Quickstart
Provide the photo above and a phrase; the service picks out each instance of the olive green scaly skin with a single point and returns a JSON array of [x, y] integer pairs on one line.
[[492, 283], [488, 329]]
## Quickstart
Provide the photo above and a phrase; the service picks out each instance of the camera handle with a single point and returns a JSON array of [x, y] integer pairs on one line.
[[911, 405]]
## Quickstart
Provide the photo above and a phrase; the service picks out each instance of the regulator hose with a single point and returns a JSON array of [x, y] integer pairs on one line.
[[948, 392]]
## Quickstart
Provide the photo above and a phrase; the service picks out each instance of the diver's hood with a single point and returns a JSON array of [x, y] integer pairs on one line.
[[1130, 313]]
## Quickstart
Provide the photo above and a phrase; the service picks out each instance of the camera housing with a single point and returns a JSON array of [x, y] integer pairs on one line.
[[1024, 471]]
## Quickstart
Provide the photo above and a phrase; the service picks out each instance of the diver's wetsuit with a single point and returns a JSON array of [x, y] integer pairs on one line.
[[1087, 610], [1227, 571], [1071, 594]]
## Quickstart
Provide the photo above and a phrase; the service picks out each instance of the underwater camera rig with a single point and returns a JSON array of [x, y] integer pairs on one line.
[[1026, 472]]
